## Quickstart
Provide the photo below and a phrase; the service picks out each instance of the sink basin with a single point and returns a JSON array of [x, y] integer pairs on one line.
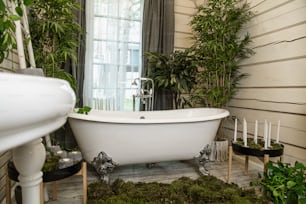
[[31, 107]]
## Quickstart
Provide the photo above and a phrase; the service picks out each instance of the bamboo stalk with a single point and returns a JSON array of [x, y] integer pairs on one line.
[[27, 33], [20, 48]]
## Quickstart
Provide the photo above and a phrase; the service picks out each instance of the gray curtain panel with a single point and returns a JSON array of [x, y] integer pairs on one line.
[[77, 69], [158, 36], [80, 67]]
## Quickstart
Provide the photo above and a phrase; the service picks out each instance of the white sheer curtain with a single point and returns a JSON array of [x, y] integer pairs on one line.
[[113, 53]]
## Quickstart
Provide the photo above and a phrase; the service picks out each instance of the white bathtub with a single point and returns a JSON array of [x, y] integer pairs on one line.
[[146, 137]]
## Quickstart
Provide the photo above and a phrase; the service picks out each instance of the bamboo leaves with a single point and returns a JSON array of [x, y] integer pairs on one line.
[[218, 48], [7, 26], [55, 35]]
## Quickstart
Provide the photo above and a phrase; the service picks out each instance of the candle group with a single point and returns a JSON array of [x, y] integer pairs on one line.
[[266, 134]]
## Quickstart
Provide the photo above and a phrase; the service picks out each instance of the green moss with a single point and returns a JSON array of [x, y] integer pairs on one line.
[[260, 144], [206, 189], [51, 163]]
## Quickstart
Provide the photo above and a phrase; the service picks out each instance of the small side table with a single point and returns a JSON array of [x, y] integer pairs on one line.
[[246, 151]]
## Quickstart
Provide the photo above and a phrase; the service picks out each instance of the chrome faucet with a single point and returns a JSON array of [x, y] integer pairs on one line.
[[145, 92]]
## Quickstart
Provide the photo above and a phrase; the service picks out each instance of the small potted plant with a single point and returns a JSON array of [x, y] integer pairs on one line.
[[284, 183], [175, 72]]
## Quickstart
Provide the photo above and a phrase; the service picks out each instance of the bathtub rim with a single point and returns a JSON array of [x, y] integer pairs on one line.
[[97, 118]]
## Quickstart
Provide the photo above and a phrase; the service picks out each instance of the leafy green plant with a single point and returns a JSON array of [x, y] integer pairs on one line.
[[7, 25], [175, 72], [218, 48], [85, 110], [284, 183], [55, 35]]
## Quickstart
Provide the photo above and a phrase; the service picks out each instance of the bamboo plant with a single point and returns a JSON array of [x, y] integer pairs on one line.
[[219, 46], [8, 16], [55, 35]]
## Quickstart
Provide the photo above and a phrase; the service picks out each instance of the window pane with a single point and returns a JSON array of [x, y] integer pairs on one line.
[[116, 51]]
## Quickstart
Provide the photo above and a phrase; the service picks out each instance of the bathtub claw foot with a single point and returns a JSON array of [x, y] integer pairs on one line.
[[202, 159], [104, 165]]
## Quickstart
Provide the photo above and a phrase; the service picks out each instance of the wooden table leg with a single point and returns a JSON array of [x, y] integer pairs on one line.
[[54, 190], [41, 193], [8, 190], [230, 156], [266, 160], [84, 174], [246, 165]]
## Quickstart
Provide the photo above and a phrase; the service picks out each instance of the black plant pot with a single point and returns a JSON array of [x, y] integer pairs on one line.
[[48, 176], [257, 152]]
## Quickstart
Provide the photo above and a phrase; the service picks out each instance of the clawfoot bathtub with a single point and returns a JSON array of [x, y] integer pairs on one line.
[[109, 138]]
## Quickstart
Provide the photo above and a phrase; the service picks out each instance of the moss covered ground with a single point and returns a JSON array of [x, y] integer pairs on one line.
[[206, 189]]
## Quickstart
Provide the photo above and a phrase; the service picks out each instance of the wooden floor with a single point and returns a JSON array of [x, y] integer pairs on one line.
[[70, 189]]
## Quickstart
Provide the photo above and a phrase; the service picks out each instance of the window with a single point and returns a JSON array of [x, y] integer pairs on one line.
[[113, 53]]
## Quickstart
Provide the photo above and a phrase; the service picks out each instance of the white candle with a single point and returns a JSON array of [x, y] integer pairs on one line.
[[277, 134], [235, 131], [65, 162], [61, 153], [266, 134], [55, 148], [76, 156], [269, 135], [256, 131], [245, 132]]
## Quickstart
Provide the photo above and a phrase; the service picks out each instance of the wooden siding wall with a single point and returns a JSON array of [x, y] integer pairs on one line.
[[276, 86], [183, 10], [10, 63]]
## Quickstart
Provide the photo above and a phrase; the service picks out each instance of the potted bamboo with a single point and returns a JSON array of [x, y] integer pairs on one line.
[[55, 38], [219, 46]]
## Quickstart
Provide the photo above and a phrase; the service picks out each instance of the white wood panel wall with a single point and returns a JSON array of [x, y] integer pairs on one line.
[[276, 86], [4, 158], [8, 64], [183, 11]]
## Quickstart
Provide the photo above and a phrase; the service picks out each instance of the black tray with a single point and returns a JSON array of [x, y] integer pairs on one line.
[[48, 176], [256, 152]]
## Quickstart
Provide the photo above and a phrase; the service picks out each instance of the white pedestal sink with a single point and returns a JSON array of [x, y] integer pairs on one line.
[[30, 108]]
